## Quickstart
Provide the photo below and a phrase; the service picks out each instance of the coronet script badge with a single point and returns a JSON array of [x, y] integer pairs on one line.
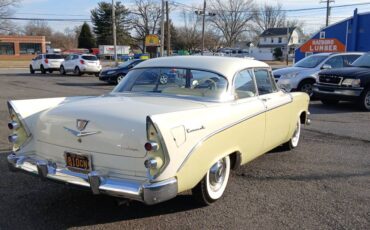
[[81, 126]]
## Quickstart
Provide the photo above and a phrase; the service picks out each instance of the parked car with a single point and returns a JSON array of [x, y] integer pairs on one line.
[[80, 64], [303, 74], [151, 142], [46, 62], [346, 84], [115, 75]]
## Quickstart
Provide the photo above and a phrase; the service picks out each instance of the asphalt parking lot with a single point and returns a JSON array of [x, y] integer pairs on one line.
[[323, 184]]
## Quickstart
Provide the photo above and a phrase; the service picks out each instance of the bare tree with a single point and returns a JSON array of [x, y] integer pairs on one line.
[[232, 17], [270, 16], [6, 11], [189, 35], [37, 28], [146, 18]]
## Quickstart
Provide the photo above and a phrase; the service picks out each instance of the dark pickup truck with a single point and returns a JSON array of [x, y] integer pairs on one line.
[[346, 84]]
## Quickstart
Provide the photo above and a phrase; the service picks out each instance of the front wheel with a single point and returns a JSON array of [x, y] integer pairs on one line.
[[365, 100], [306, 86], [120, 78], [294, 141], [212, 186]]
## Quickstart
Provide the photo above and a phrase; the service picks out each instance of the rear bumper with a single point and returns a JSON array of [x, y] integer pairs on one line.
[[337, 92], [149, 193], [90, 69]]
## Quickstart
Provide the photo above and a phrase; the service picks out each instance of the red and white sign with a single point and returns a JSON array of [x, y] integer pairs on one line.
[[328, 45]]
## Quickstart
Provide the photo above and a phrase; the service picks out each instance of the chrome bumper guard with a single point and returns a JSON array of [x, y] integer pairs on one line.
[[149, 193]]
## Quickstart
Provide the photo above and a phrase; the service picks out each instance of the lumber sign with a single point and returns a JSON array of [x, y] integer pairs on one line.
[[328, 45]]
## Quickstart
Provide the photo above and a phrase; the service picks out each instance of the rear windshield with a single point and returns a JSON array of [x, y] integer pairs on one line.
[[182, 82], [54, 56], [89, 58]]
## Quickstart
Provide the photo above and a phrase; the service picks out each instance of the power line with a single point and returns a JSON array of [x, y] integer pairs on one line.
[[284, 10], [48, 19]]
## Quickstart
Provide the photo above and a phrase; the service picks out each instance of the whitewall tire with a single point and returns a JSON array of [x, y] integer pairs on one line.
[[213, 185], [294, 141]]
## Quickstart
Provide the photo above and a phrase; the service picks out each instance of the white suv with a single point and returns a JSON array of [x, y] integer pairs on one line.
[[46, 62], [79, 64], [303, 74]]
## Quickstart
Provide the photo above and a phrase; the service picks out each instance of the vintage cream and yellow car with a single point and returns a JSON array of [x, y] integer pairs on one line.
[[173, 124]]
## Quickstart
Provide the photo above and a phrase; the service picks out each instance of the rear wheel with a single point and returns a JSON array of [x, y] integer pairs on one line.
[[307, 87], [77, 71], [329, 102], [32, 71], [294, 141], [43, 71], [365, 99], [212, 186], [62, 70]]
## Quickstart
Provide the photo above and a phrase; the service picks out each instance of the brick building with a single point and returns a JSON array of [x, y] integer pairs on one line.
[[16, 47]]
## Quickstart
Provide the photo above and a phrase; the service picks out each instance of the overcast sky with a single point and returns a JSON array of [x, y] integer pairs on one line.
[[313, 20]]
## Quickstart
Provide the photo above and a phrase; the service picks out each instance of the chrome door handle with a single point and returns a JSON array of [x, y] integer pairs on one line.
[[265, 99]]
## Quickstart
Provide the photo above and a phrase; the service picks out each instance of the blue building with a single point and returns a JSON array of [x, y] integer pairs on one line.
[[352, 34]]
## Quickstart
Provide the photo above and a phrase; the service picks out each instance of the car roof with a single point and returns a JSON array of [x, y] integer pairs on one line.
[[226, 66]]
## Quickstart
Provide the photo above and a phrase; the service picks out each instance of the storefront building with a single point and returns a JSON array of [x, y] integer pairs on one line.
[[18, 47], [349, 35]]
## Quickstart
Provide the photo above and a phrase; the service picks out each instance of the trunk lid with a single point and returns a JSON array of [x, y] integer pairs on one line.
[[117, 124]]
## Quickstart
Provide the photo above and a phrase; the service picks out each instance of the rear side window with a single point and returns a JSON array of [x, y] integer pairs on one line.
[[89, 58], [349, 59], [265, 83], [244, 84], [335, 62], [54, 56]]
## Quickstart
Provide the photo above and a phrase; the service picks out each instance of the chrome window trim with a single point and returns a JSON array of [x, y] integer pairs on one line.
[[179, 67], [253, 79], [199, 143]]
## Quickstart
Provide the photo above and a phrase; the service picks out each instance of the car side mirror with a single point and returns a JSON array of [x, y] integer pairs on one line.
[[326, 66]]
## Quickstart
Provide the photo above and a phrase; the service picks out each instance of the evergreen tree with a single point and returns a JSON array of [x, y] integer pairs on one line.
[[101, 17], [86, 39]]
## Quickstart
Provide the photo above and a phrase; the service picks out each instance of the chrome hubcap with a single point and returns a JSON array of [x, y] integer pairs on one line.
[[217, 175], [119, 78]]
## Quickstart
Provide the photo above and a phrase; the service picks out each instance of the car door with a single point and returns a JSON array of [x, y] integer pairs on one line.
[[68, 62], [251, 112], [278, 114], [37, 62]]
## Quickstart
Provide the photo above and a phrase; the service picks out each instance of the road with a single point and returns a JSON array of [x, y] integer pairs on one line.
[[323, 184]]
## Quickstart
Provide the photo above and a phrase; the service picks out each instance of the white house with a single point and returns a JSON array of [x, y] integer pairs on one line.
[[276, 38]]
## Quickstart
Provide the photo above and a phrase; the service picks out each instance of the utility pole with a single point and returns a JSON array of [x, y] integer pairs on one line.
[[168, 30], [114, 31], [287, 43], [328, 9], [162, 29], [204, 20]]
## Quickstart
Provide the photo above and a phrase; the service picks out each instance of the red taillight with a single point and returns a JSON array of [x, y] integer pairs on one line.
[[46, 61], [82, 62], [151, 146]]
